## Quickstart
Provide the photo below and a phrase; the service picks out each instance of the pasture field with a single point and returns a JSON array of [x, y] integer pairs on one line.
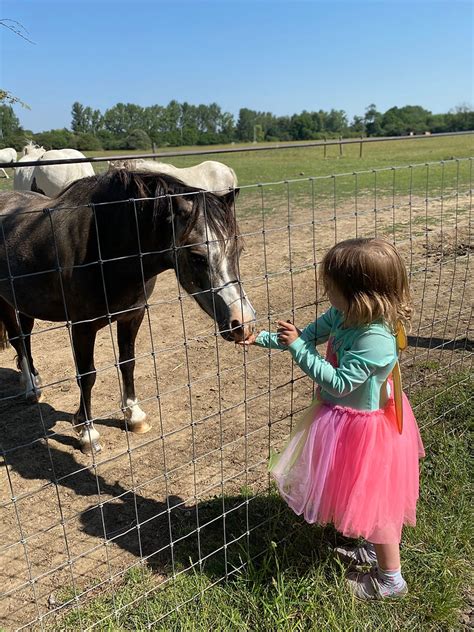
[[290, 164], [90, 535]]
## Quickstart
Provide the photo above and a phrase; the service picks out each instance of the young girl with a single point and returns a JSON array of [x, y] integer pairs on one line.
[[348, 461]]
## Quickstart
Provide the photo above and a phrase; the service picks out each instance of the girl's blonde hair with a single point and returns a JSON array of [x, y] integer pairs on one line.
[[372, 278]]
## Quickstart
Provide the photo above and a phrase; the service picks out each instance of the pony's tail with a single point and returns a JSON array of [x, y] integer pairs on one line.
[[3, 336]]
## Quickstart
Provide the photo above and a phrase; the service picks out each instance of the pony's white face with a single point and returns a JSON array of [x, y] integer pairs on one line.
[[208, 269]]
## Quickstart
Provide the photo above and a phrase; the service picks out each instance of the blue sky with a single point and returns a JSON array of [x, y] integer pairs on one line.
[[272, 55]]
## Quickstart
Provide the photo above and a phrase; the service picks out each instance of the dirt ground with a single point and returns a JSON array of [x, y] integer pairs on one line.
[[69, 520]]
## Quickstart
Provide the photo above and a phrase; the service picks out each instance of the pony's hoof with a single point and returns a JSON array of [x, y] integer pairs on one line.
[[89, 440], [135, 417], [139, 427], [34, 394], [90, 447]]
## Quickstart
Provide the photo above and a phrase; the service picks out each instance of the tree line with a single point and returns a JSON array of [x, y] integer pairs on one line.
[[127, 126]]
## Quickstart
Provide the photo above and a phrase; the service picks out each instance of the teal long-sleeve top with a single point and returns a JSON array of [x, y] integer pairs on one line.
[[365, 358]]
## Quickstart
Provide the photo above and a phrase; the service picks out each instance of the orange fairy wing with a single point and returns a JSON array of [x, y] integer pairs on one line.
[[397, 395], [401, 337], [402, 343]]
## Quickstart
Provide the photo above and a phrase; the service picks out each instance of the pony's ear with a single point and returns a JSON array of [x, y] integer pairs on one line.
[[230, 197]]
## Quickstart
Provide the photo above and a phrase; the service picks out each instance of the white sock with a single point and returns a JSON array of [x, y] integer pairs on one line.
[[391, 579]]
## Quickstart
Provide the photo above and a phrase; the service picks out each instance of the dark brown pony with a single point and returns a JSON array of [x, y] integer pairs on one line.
[[91, 255]]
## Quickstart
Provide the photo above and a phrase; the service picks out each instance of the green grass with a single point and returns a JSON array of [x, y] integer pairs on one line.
[[262, 166], [306, 162], [291, 580]]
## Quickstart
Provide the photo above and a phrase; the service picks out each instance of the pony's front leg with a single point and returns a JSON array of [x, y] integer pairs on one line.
[[135, 417], [83, 340]]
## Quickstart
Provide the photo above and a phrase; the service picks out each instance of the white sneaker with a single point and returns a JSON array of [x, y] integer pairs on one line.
[[368, 587]]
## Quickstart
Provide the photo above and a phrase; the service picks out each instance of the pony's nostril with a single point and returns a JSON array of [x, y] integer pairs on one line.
[[236, 326]]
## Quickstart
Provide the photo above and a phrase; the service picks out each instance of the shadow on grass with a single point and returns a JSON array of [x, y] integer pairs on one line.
[[215, 536]]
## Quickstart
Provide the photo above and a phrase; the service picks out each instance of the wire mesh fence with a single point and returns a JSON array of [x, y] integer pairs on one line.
[[192, 492]]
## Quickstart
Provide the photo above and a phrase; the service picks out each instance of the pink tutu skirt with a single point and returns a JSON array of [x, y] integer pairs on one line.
[[352, 468]]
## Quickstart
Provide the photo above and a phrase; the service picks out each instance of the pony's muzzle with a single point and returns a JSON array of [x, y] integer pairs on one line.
[[240, 331], [233, 313], [242, 320]]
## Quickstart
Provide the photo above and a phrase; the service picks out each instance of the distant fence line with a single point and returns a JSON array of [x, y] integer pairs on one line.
[[232, 150]]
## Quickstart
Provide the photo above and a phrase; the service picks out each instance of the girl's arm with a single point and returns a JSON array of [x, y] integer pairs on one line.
[[370, 350], [316, 332]]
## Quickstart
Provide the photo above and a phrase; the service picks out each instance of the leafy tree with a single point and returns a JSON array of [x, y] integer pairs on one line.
[[259, 134], [85, 141], [138, 139], [10, 99], [247, 119], [17, 140], [302, 126], [226, 127], [170, 124], [461, 118], [11, 132], [358, 125], [9, 122], [373, 121], [188, 124], [392, 123], [56, 139], [279, 129], [85, 119], [319, 121], [109, 141], [123, 118], [401, 121], [78, 123], [208, 118], [127, 125], [153, 122], [336, 121], [438, 123]]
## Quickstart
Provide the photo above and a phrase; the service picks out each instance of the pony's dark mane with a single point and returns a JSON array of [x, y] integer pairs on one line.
[[124, 185]]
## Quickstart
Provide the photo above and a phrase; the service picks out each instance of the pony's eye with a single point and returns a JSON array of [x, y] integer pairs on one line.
[[198, 259]]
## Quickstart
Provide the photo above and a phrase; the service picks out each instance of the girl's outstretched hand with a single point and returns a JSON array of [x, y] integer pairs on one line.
[[287, 332], [248, 341]]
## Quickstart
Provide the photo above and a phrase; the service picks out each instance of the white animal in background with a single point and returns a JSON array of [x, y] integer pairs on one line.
[[7, 155], [23, 178], [209, 175], [31, 148], [50, 179]]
